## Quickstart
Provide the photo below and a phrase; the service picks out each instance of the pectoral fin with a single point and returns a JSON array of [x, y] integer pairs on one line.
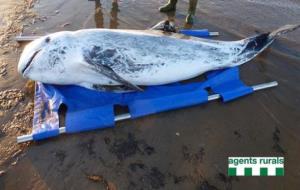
[[110, 73]]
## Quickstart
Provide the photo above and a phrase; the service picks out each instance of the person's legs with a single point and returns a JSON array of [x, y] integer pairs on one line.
[[170, 6], [98, 14], [114, 14], [191, 12]]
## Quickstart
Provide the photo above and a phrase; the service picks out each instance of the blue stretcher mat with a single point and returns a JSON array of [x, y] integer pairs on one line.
[[89, 109]]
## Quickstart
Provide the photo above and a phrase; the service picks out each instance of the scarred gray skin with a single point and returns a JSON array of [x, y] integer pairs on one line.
[[101, 58]]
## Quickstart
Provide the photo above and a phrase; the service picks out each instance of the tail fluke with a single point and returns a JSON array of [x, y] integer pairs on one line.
[[260, 42], [254, 45], [283, 30]]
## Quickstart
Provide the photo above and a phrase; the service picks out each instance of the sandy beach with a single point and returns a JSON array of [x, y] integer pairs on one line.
[[182, 149]]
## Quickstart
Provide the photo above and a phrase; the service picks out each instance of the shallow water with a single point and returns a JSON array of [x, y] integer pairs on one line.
[[146, 153]]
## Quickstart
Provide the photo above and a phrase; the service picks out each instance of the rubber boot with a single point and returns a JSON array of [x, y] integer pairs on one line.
[[170, 6], [191, 12]]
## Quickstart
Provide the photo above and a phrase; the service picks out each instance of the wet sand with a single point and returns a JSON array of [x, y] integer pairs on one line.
[[15, 106], [146, 153]]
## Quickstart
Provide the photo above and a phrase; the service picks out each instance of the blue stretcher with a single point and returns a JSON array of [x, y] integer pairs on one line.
[[89, 109]]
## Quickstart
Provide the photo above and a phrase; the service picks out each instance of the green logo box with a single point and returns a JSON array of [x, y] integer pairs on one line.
[[256, 166]]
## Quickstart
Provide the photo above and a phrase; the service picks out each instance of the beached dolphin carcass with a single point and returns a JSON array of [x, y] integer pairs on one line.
[[122, 60]]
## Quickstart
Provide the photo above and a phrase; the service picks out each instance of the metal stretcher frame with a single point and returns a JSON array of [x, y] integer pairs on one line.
[[62, 130]]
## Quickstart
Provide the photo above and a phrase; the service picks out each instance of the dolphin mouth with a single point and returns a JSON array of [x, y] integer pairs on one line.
[[30, 61]]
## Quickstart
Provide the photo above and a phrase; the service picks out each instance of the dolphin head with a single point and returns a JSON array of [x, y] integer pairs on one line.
[[42, 59]]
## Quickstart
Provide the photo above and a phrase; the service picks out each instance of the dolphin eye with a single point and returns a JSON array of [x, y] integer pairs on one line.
[[47, 40]]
